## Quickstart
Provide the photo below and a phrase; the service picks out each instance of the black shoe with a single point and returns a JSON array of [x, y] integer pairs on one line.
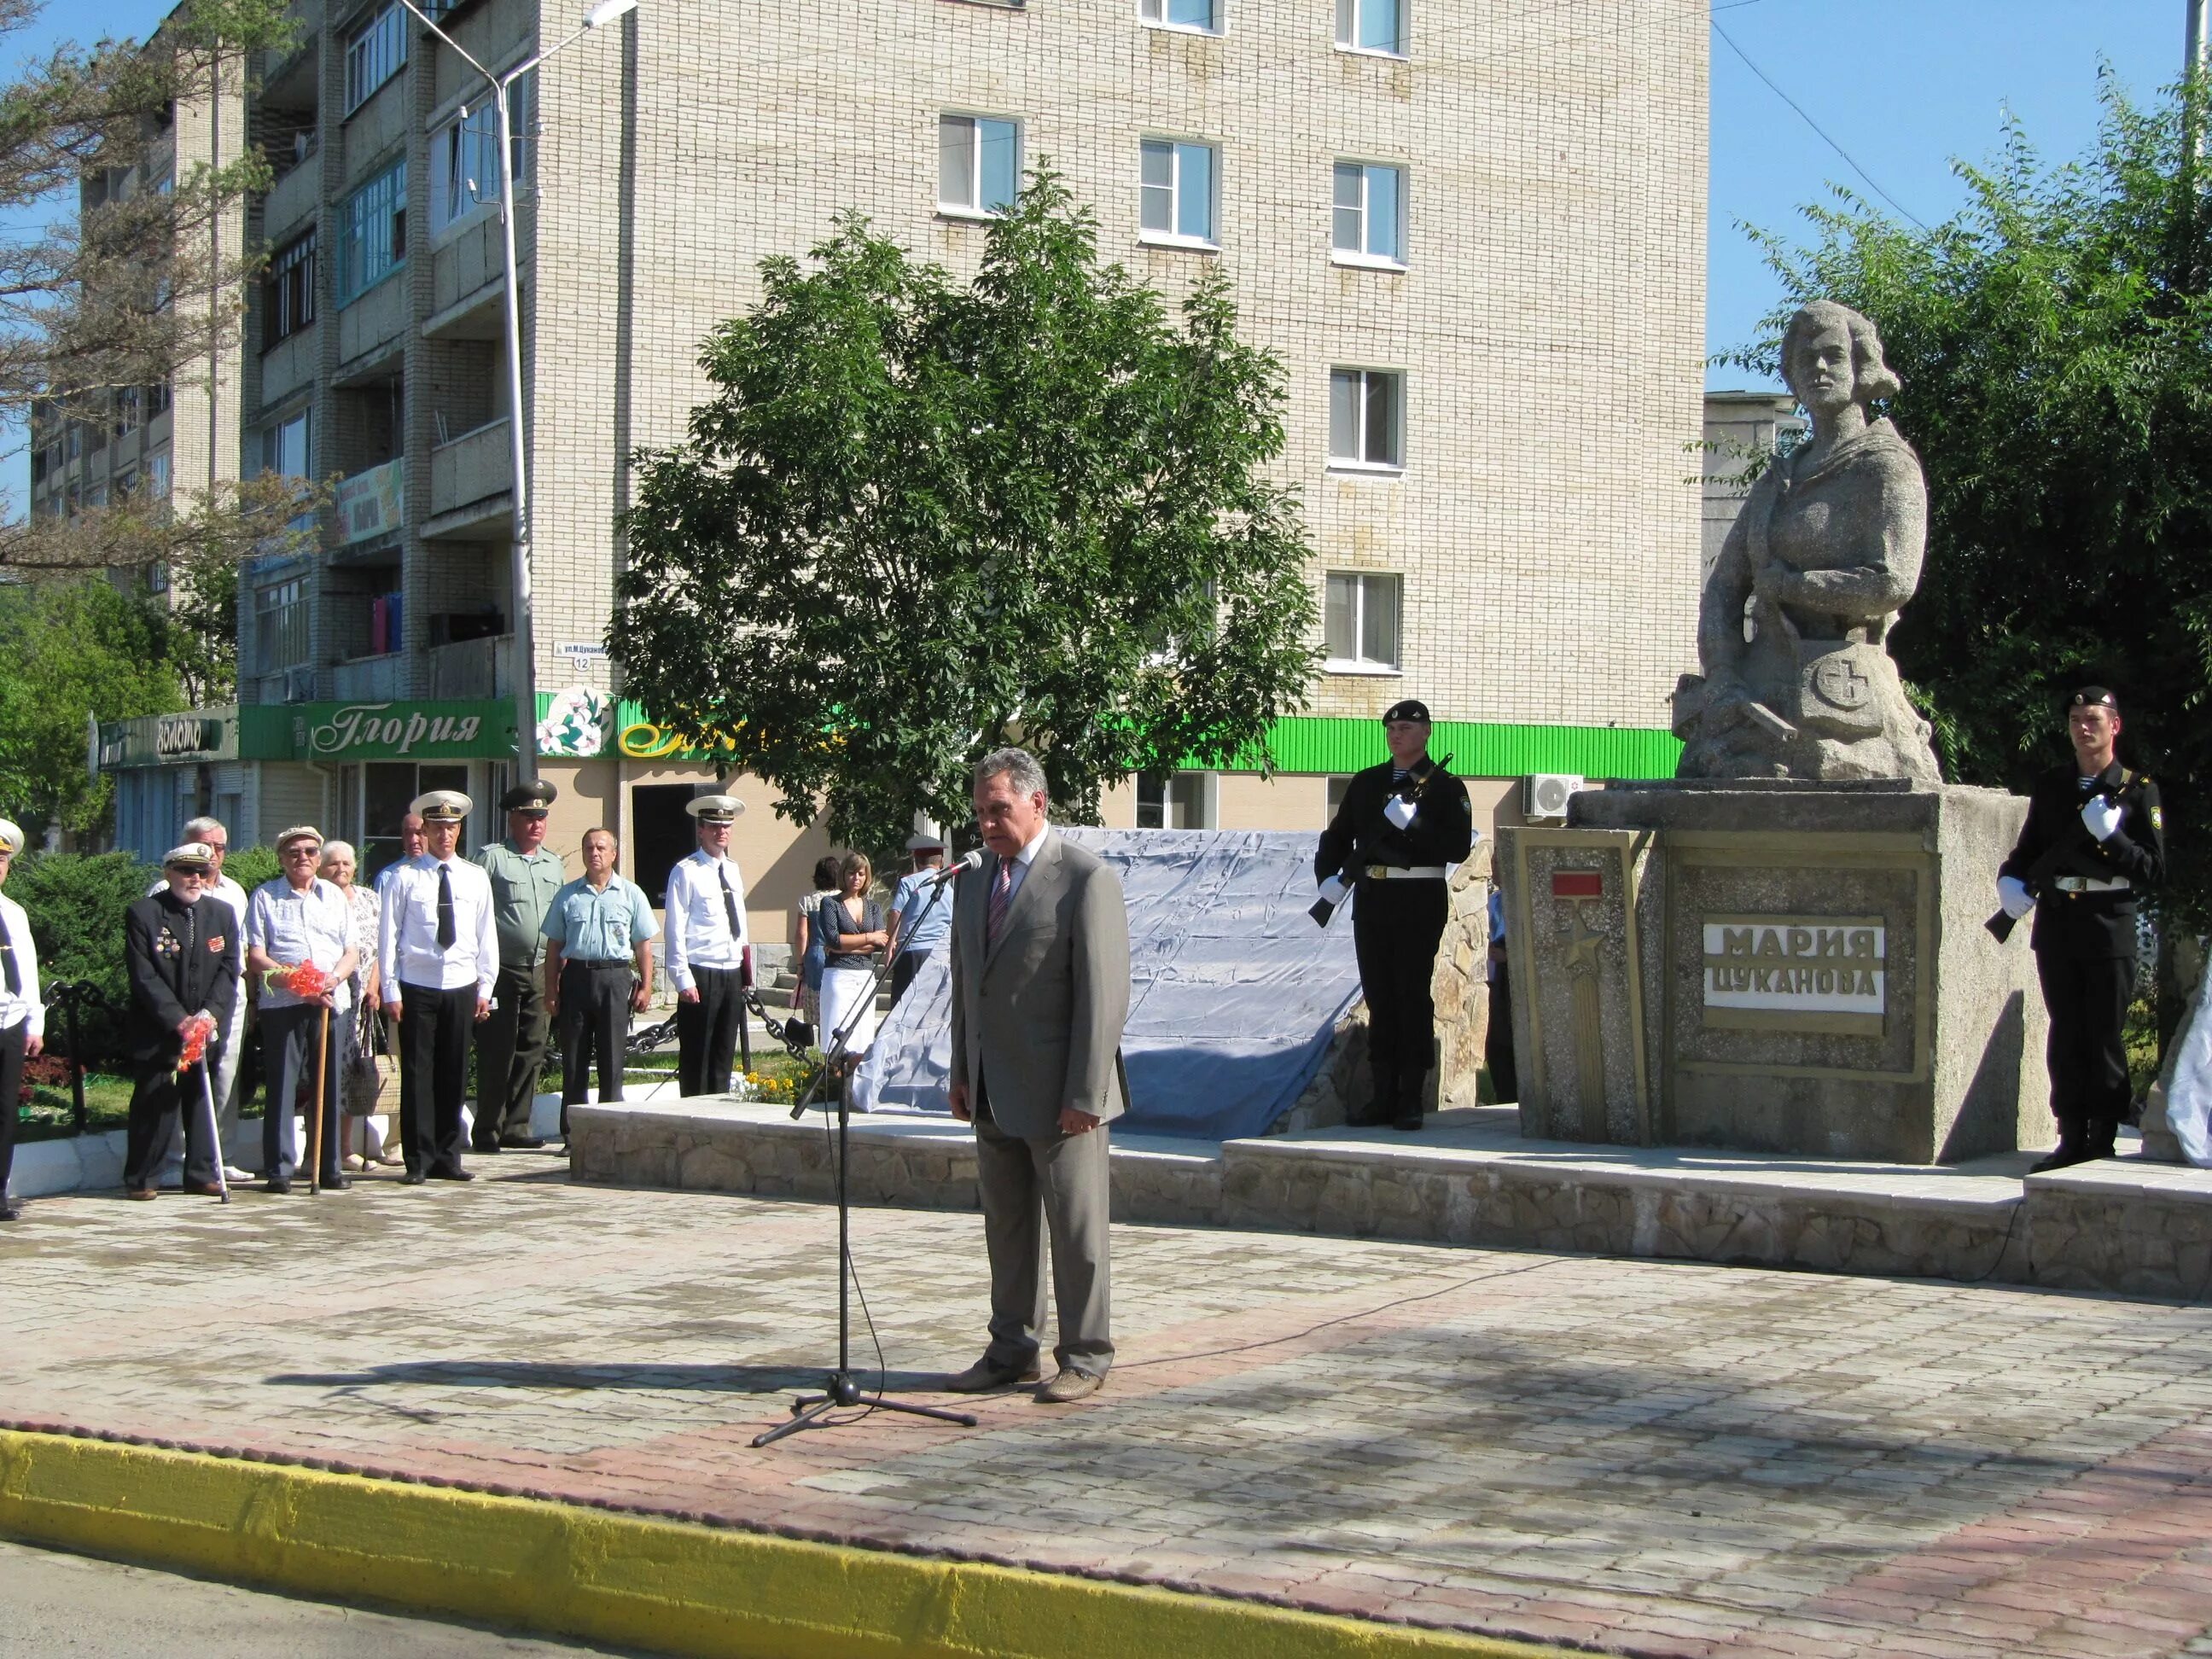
[[1406, 1126], [522, 1143], [452, 1174], [982, 1377], [2061, 1158], [488, 1148], [278, 1184], [335, 1183], [10, 1210], [412, 1178]]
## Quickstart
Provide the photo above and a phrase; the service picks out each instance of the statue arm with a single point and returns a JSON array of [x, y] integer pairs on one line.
[[1720, 608]]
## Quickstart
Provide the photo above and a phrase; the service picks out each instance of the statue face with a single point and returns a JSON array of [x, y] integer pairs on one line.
[[1820, 370]]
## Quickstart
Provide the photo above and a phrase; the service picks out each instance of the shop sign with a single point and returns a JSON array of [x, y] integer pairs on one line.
[[640, 738], [401, 731], [371, 503], [188, 737]]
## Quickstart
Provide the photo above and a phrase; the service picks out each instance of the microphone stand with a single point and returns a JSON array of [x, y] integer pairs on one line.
[[841, 1388]]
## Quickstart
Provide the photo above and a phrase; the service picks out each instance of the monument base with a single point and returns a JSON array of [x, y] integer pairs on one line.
[[1775, 966]]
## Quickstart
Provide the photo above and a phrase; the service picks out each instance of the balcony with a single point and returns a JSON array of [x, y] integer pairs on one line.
[[292, 200], [472, 486], [472, 668], [370, 677]]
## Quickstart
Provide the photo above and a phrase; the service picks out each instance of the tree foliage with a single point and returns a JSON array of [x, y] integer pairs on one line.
[[919, 519], [2055, 343]]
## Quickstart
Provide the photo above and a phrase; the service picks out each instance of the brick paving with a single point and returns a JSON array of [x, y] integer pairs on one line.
[[1647, 1457]]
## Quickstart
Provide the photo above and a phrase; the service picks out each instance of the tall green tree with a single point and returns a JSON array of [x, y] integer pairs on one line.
[[918, 520], [2055, 343]]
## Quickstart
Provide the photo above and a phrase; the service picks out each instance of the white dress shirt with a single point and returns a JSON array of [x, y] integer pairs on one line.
[[407, 934], [698, 926], [293, 925], [17, 1006], [1021, 862]]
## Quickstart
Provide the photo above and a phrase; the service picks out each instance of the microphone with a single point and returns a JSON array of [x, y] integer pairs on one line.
[[973, 861]]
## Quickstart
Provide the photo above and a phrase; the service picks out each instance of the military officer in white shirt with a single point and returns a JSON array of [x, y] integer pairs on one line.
[[438, 952], [705, 907], [210, 833], [23, 1015]]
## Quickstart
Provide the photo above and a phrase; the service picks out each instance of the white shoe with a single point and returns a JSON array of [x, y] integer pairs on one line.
[[234, 1174]]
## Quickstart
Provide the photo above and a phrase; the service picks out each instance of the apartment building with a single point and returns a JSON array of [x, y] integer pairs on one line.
[[1476, 234]]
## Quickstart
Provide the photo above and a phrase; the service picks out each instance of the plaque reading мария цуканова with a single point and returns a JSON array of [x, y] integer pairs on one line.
[[1795, 974]]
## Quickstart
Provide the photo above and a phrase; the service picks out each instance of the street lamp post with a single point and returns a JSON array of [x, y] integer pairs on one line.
[[526, 665]]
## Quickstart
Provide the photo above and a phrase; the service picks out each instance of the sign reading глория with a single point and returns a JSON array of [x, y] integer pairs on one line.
[[394, 730], [1801, 973]]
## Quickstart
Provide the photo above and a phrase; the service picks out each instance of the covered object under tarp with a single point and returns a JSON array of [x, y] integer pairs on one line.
[[1234, 994]]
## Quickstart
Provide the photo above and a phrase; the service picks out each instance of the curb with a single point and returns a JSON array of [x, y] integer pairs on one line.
[[666, 1585]]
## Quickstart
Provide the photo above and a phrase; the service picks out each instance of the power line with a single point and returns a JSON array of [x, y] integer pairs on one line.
[[1815, 125]]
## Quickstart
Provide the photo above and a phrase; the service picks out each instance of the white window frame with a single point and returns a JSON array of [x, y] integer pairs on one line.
[[1358, 461], [974, 120], [374, 52], [1361, 257], [294, 431], [461, 154], [1176, 147], [1363, 582], [1153, 13], [1204, 785], [281, 635], [1348, 16], [391, 183]]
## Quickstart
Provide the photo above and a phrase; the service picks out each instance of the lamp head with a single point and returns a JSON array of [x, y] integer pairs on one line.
[[606, 11]]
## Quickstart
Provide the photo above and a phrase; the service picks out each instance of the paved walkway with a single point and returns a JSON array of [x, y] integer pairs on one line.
[[1663, 1459]]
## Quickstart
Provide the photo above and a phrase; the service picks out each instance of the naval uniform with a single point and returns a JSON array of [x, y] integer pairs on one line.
[[439, 953], [183, 959], [705, 908], [1398, 913], [2085, 937]]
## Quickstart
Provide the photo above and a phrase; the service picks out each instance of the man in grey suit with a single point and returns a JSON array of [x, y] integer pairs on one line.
[[1040, 960]]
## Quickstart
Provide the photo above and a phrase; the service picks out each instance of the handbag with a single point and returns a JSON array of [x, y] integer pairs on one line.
[[367, 1067]]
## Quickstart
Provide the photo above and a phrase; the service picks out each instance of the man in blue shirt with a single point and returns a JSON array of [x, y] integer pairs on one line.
[[599, 970], [917, 925]]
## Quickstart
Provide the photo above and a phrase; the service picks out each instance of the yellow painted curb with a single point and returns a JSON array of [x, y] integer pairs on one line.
[[664, 1585]]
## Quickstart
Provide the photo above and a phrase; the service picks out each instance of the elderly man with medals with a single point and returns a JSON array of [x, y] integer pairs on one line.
[[182, 952]]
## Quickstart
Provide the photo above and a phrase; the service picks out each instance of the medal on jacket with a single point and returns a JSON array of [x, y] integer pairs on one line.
[[214, 945]]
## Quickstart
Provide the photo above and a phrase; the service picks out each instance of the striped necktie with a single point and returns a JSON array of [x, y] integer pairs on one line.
[[1002, 893]]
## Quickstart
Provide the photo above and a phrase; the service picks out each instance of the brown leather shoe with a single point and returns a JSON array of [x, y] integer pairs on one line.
[[1068, 1387], [202, 1189], [982, 1377], [140, 1194]]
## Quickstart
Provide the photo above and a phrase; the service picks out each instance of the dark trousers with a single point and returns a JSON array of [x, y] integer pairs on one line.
[[290, 1038], [160, 1094], [510, 1054], [707, 1032], [12, 1042], [1396, 926], [2088, 999], [1497, 1041], [594, 1021], [904, 967], [433, 1073]]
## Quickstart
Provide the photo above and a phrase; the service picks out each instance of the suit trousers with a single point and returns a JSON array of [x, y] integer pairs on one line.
[[290, 1038], [2088, 1056], [1396, 926], [594, 1020], [433, 1073], [707, 1032], [510, 1055], [12, 1043], [160, 1094], [1032, 1187]]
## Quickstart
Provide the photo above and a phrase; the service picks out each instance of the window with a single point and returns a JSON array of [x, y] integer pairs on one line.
[[288, 293], [375, 52], [1172, 801], [1365, 428], [1371, 26], [284, 447], [1360, 623], [1203, 14], [1369, 215], [372, 233], [157, 476], [280, 615], [157, 400], [130, 410], [464, 165], [1177, 191], [978, 164]]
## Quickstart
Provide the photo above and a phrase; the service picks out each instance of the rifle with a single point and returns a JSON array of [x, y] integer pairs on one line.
[[2055, 858], [1322, 908]]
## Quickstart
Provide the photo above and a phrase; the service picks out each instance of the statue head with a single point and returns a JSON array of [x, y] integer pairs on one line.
[[1822, 338]]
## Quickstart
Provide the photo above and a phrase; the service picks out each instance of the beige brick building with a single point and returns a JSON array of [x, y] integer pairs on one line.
[[1476, 233]]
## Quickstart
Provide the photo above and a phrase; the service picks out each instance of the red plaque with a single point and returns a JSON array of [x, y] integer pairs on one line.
[[1577, 884]]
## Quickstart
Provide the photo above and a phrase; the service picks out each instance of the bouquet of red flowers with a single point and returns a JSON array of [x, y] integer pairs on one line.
[[305, 980], [196, 1042]]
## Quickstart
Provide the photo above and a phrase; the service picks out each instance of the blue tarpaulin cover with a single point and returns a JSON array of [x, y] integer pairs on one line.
[[1234, 993]]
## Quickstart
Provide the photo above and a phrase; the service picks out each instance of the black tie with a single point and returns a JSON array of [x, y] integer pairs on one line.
[[191, 933], [447, 934], [729, 900], [7, 960]]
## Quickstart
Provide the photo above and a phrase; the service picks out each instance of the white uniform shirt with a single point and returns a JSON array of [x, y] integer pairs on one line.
[[407, 934], [17, 1006], [294, 925], [698, 926]]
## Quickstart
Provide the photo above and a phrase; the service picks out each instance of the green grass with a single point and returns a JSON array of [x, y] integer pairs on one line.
[[48, 1115]]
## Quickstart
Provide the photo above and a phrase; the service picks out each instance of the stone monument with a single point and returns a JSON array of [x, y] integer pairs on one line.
[[1782, 950]]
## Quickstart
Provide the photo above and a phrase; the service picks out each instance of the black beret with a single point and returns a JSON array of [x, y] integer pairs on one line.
[[530, 797], [1412, 708], [2093, 696]]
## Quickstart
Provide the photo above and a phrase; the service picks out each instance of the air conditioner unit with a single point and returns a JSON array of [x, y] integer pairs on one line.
[[1544, 795]]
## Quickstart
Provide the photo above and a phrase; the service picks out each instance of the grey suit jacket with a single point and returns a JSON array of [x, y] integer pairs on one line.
[[1039, 1016]]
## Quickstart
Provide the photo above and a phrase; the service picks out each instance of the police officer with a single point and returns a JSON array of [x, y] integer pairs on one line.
[[2094, 839], [1401, 825], [705, 908], [181, 950], [511, 1044]]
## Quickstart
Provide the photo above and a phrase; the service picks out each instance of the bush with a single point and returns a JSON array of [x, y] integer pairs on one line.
[[75, 903], [249, 866]]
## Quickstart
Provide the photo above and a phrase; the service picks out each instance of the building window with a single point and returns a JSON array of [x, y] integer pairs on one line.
[[1365, 423], [1371, 26], [1202, 15], [284, 447], [464, 165], [375, 52], [372, 233], [280, 615], [1370, 217], [157, 476], [130, 410], [1173, 800], [1339, 785], [1178, 191], [978, 164], [288, 293], [1360, 623]]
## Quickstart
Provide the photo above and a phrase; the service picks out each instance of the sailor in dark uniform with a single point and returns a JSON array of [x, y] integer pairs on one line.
[[1401, 823], [182, 951], [2093, 840]]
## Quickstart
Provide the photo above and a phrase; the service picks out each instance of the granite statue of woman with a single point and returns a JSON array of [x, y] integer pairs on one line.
[[1798, 683]]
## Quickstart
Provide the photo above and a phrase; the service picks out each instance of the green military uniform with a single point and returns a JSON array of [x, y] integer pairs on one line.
[[511, 1044]]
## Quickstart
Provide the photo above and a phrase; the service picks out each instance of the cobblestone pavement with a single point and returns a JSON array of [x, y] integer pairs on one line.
[[1660, 1458]]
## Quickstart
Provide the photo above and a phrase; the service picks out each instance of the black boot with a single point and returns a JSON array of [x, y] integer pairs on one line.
[[2073, 1147], [1376, 1112], [2103, 1138], [1406, 1116]]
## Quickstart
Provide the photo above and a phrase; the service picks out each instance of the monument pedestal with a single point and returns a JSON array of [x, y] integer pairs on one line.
[[1775, 966]]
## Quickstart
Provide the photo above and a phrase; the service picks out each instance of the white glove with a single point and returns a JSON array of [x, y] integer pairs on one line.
[[1333, 890], [2012, 894], [1400, 811], [2100, 815]]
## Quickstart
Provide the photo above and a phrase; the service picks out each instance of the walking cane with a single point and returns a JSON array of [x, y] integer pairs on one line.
[[215, 1132], [315, 1128]]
